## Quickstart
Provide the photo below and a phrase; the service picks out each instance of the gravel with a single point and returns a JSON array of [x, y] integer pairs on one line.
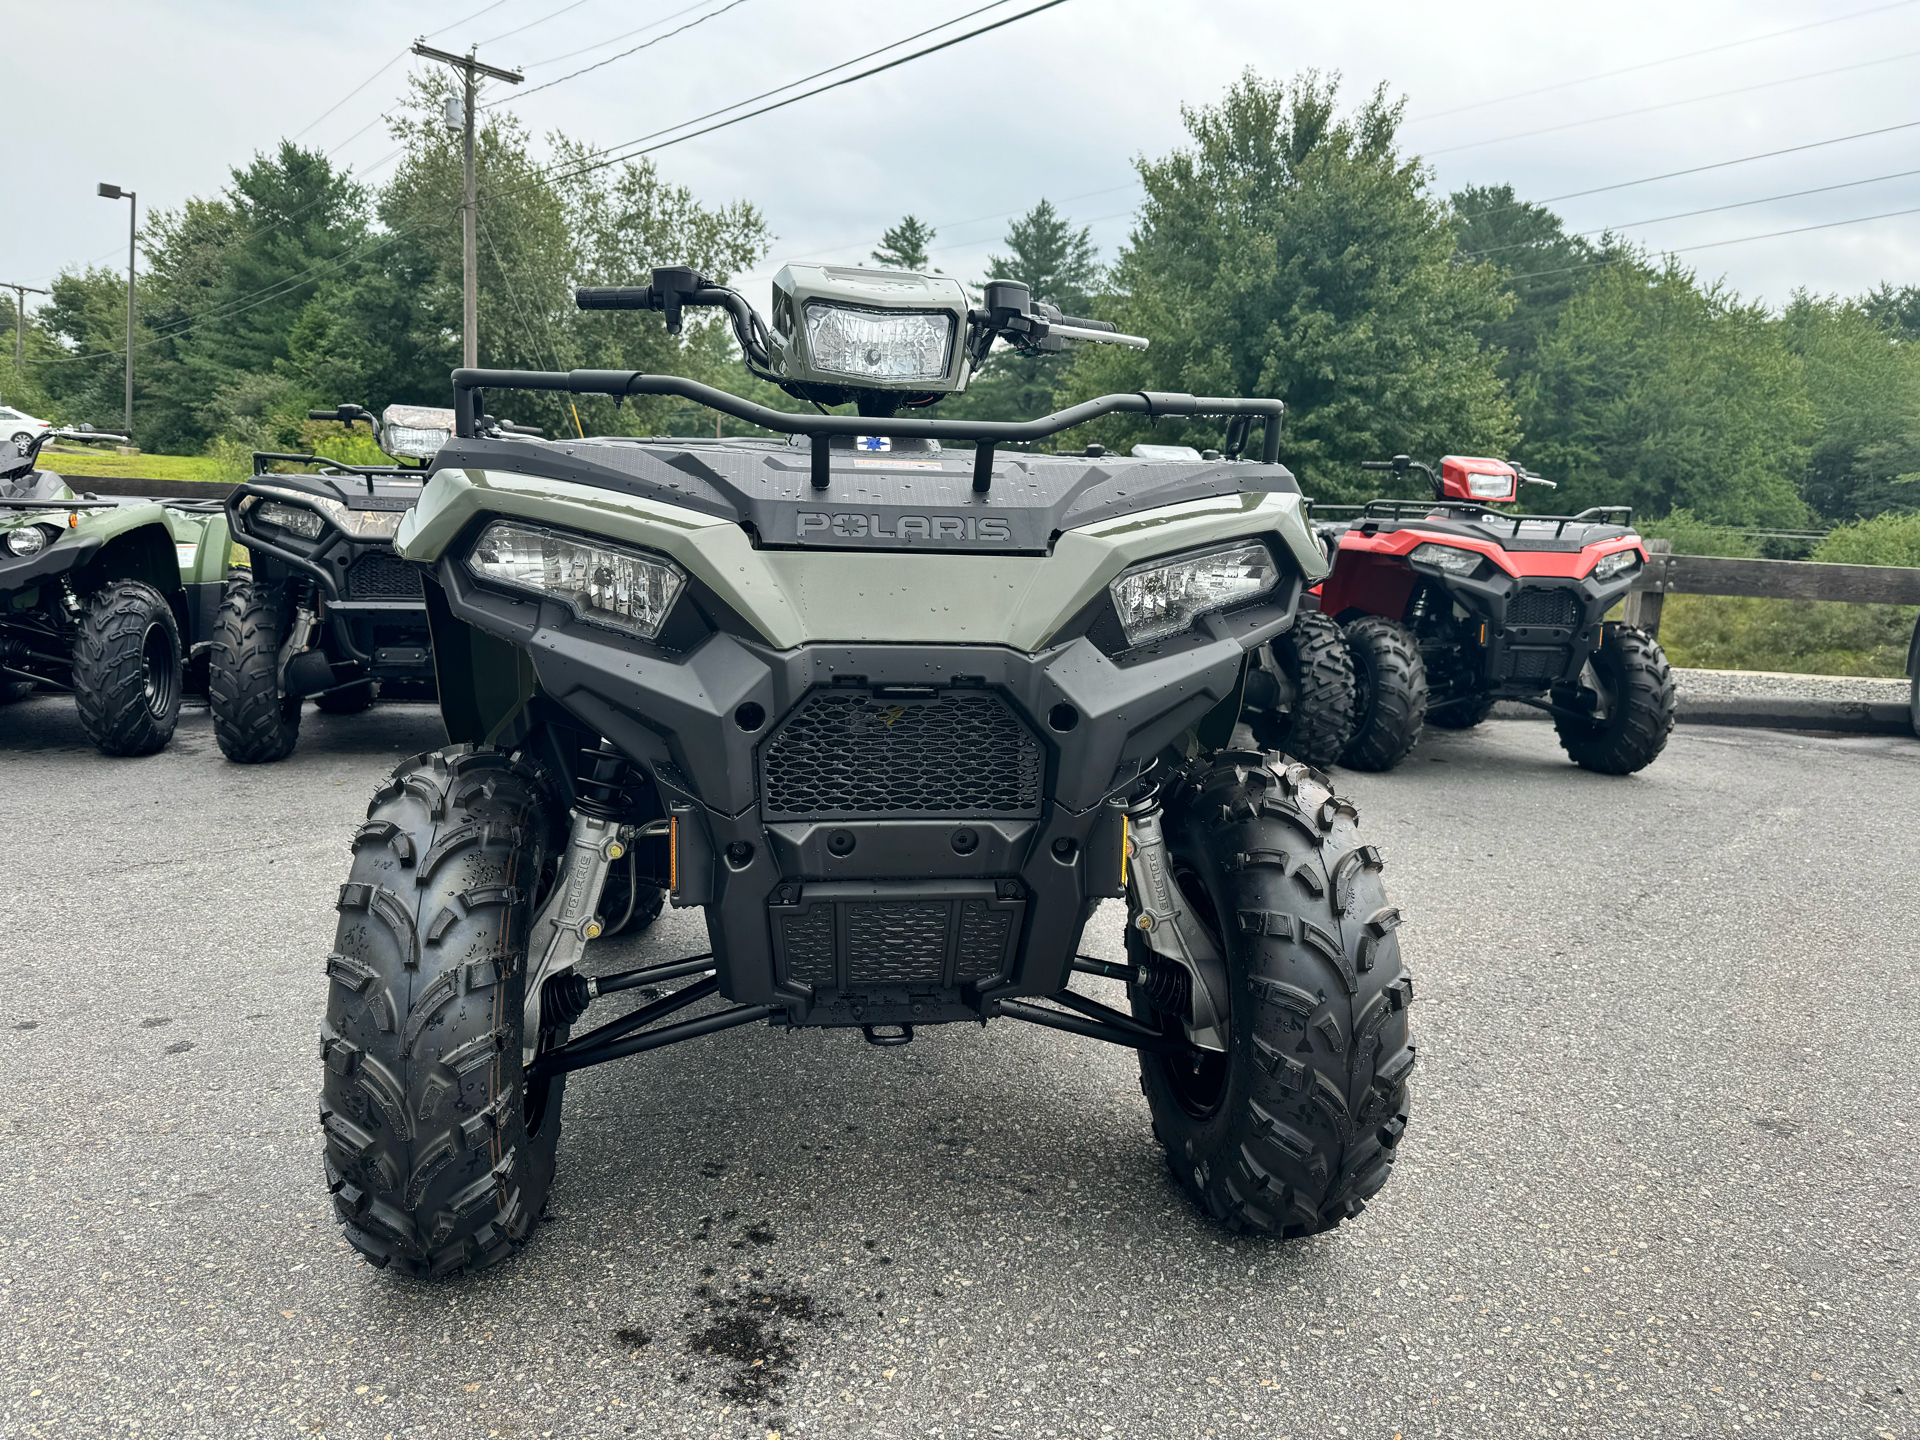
[[1778, 685], [1660, 1180]]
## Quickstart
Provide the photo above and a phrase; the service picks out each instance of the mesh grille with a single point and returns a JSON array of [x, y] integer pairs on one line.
[[810, 945], [983, 942], [382, 575], [1526, 664], [1538, 605], [896, 941], [860, 937], [849, 753]]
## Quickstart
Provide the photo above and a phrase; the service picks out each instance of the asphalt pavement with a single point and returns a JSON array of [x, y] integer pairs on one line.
[[1660, 1178]]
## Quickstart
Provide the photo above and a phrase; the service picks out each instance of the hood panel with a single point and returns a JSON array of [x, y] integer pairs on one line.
[[901, 500]]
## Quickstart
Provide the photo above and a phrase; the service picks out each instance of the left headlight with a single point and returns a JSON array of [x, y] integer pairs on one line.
[[605, 584], [1621, 562], [1449, 558], [878, 344], [299, 519], [26, 540], [1164, 597]]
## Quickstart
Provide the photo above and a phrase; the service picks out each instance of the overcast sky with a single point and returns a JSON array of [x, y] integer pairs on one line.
[[1552, 98]]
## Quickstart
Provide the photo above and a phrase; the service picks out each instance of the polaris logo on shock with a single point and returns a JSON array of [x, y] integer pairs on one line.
[[852, 525]]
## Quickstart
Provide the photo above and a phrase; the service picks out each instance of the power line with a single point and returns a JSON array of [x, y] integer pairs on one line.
[[1686, 214], [483, 10], [805, 95], [345, 98], [1670, 104], [1698, 169], [615, 39], [1716, 244], [644, 45], [1651, 64], [552, 15]]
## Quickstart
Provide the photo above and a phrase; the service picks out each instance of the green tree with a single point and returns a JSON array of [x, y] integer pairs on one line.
[[904, 246], [1896, 309], [1540, 263], [1059, 265], [1653, 392], [1291, 253], [1861, 378]]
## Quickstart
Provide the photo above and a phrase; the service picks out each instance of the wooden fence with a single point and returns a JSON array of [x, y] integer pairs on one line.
[[1668, 574]]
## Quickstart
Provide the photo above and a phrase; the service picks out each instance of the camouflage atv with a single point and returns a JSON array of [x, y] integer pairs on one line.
[[103, 597], [326, 610]]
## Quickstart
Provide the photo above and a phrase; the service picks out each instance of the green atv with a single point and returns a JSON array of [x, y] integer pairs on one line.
[[325, 610], [899, 718], [104, 597]]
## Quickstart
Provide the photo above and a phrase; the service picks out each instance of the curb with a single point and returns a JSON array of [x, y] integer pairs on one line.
[[1850, 717]]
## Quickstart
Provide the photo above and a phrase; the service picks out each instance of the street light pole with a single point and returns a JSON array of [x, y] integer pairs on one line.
[[20, 294], [114, 192], [470, 70]]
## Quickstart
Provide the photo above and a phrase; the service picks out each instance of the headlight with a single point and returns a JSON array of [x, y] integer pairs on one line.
[[1621, 562], [415, 431], [296, 518], [366, 524], [878, 344], [1167, 596], [602, 583], [27, 540], [1450, 558]]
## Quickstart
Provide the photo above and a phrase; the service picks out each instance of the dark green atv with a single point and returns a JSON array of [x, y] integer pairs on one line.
[[104, 597]]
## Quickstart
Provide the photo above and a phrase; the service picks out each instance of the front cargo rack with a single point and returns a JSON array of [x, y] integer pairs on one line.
[[1465, 511]]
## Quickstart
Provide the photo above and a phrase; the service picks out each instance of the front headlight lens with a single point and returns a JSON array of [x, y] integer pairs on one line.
[[1165, 597], [367, 524], [878, 344], [1450, 558], [296, 518], [415, 431], [26, 540], [1621, 562], [602, 583]]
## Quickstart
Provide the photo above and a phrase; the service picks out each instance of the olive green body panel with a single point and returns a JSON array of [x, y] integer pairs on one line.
[[796, 597]]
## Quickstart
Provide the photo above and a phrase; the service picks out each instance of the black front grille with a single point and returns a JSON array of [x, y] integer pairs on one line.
[[382, 575], [1536, 663], [1538, 605], [856, 937], [852, 753]]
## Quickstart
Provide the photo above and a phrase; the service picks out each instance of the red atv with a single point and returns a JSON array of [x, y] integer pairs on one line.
[[1452, 606]]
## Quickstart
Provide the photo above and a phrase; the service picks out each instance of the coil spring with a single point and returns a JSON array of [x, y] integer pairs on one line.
[[606, 783]]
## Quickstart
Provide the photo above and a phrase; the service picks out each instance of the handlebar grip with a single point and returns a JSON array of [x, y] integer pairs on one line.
[[1080, 324], [615, 297], [1377, 465], [323, 415]]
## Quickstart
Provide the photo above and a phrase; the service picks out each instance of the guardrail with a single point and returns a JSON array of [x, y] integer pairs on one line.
[[1668, 574]]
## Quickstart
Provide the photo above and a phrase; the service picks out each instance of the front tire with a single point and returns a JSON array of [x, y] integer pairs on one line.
[[1390, 693], [1634, 669], [438, 1155], [1297, 1125], [252, 721], [127, 674], [1313, 655]]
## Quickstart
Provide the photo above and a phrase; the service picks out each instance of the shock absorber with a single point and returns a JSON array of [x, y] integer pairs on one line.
[[1160, 914]]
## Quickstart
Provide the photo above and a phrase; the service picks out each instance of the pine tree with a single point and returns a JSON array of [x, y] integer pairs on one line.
[[904, 246]]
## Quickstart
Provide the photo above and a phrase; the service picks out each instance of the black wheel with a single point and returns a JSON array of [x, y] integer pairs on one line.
[[1296, 1126], [252, 721], [346, 699], [627, 904], [1313, 657], [1638, 692], [1390, 693], [1463, 714], [126, 669], [438, 1154]]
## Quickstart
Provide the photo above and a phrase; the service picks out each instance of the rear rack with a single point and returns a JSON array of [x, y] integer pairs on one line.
[[1398, 510], [986, 434]]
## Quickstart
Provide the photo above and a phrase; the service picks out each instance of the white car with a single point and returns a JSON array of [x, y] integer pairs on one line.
[[19, 427]]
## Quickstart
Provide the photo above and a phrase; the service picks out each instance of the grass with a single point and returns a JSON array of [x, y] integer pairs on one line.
[[141, 467]]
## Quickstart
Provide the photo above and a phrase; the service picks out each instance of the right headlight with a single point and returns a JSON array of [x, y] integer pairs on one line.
[[878, 344], [299, 519], [26, 540], [1620, 562], [1165, 597], [1450, 558], [604, 584]]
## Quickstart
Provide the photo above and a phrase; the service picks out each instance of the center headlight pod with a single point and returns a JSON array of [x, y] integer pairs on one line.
[[604, 584], [1164, 597], [1450, 558], [302, 520], [878, 344], [26, 540], [1620, 562]]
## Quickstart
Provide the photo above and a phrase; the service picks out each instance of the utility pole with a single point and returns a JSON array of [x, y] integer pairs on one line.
[[114, 192], [470, 70], [20, 294]]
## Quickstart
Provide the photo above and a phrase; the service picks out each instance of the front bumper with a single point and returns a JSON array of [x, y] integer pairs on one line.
[[1531, 631], [861, 917]]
